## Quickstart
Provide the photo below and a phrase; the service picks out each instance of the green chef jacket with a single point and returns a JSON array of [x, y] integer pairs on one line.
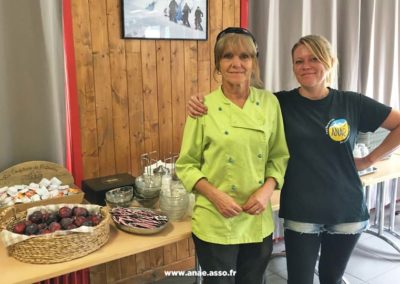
[[235, 149]]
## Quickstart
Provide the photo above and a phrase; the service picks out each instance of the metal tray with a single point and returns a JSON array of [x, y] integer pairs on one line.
[[143, 231]]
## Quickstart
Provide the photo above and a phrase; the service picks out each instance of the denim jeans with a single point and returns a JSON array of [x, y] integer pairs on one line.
[[342, 228]]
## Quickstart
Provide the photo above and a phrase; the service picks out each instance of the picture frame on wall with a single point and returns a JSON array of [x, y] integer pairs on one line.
[[164, 19]]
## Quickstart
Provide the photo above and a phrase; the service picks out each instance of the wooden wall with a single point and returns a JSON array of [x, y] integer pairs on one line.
[[132, 97], [132, 93]]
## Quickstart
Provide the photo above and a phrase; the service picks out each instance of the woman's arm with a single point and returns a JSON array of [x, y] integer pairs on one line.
[[188, 169], [388, 145]]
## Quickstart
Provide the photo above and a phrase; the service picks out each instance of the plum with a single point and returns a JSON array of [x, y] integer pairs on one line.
[[95, 219], [45, 216], [42, 226], [36, 217], [54, 226], [79, 220], [31, 229], [80, 211], [44, 231], [87, 223], [65, 222], [52, 217], [19, 227], [65, 212]]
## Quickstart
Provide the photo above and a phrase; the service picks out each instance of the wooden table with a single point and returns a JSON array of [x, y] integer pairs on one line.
[[388, 169], [119, 245]]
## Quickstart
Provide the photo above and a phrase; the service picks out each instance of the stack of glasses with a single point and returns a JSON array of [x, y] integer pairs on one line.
[[147, 190], [174, 200]]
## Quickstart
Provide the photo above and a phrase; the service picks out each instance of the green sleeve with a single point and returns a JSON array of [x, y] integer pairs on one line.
[[188, 165]]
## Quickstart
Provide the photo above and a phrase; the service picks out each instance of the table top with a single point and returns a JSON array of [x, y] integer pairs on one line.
[[386, 169], [120, 244]]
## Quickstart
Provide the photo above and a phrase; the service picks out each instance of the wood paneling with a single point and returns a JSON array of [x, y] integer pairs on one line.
[[163, 49], [119, 92], [178, 93], [132, 100], [215, 26], [85, 87], [102, 82], [135, 105]]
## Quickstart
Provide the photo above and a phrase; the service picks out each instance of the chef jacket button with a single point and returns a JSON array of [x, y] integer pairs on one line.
[[233, 187], [230, 160], [259, 156], [220, 108], [226, 132], [258, 103], [260, 182]]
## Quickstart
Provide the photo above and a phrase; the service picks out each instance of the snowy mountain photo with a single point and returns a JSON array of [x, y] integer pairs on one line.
[[165, 19]]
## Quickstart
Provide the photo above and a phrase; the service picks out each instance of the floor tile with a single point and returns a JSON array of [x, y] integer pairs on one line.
[[390, 277], [277, 265], [276, 279], [365, 266], [378, 247], [353, 280]]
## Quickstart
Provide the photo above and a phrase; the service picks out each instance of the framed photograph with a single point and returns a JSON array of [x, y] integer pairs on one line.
[[164, 19]]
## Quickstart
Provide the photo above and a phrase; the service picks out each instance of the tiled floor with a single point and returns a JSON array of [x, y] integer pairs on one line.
[[373, 262]]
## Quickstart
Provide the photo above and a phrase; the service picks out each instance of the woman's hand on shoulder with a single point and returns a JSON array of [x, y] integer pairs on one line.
[[196, 107]]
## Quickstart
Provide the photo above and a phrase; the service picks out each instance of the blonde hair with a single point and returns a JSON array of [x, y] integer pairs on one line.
[[238, 42], [321, 48]]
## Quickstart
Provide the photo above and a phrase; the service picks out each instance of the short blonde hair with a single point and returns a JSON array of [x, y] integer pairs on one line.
[[321, 48], [238, 42]]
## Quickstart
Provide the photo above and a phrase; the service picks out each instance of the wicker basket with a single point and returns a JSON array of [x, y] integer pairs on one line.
[[54, 249]]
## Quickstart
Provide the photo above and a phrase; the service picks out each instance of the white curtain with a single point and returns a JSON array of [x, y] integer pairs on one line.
[[32, 97], [363, 33]]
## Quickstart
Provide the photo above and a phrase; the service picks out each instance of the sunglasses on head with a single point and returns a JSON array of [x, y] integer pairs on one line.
[[237, 30]]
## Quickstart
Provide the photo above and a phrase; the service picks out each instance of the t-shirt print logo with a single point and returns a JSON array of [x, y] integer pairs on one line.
[[338, 130]]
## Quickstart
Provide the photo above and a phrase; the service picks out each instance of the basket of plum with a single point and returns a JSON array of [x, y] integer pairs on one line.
[[54, 233]]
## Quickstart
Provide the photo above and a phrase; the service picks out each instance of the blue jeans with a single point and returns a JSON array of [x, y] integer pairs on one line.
[[342, 228]]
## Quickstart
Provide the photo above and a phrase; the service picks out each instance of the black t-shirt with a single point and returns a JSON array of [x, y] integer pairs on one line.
[[321, 183]]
